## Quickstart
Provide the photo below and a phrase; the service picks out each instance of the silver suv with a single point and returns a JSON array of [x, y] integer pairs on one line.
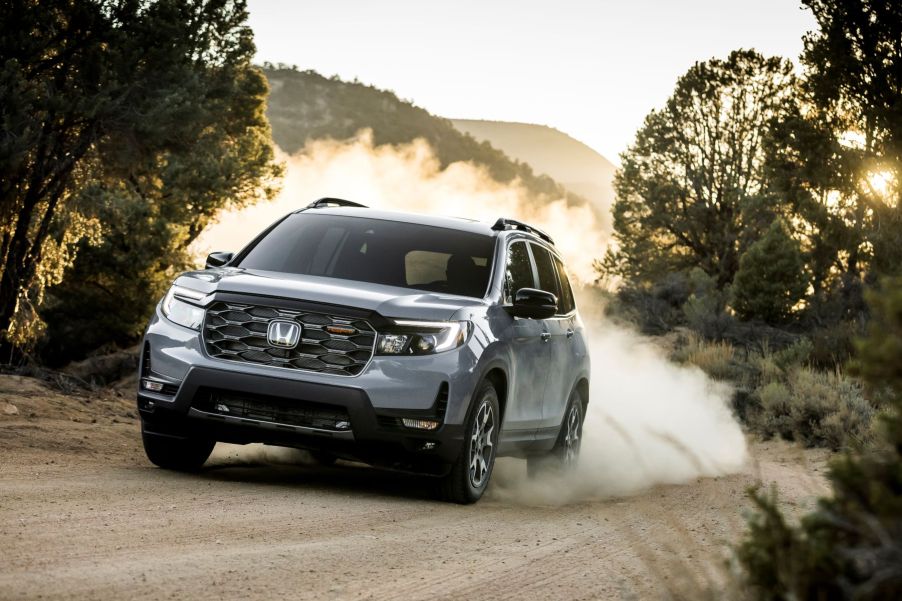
[[416, 343]]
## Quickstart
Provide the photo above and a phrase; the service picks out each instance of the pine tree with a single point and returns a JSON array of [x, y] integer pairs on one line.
[[771, 278]]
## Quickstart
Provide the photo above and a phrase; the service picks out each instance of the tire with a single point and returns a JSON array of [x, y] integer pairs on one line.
[[565, 453], [176, 453], [324, 458], [470, 473]]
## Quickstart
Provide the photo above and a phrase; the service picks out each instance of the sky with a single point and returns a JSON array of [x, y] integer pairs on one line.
[[590, 69]]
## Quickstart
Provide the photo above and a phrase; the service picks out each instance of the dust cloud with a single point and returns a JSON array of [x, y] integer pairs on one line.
[[649, 421]]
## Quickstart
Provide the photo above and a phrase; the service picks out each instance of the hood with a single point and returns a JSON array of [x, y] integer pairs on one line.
[[388, 301]]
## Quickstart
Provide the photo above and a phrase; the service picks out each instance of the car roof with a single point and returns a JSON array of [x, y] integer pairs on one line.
[[507, 226], [453, 223]]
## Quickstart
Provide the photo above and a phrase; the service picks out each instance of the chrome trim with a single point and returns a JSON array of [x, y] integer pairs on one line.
[[197, 413]]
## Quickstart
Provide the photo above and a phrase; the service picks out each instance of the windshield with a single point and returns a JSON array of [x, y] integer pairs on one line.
[[392, 253]]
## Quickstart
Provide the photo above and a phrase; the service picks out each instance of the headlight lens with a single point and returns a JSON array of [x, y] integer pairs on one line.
[[423, 337], [181, 312]]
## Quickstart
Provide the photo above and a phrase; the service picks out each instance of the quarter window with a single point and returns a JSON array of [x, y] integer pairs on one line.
[[545, 267], [566, 303]]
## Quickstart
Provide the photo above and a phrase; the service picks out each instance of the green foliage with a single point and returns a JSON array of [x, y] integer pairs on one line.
[[304, 105], [771, 279], [693, 191], [818, 409], [142, 140], [851, 546]]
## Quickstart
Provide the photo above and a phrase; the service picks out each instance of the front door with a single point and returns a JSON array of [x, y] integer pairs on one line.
[[530, 352]]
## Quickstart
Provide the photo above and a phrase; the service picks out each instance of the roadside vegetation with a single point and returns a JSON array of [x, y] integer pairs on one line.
[[758, 231]]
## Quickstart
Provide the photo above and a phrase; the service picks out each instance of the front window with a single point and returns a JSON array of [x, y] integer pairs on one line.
[[391, 253]]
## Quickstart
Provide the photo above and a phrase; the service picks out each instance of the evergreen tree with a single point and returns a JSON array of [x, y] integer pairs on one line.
[[771, 279]]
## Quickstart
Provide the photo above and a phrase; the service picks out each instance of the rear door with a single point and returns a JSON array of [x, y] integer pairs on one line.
[[530, 353]]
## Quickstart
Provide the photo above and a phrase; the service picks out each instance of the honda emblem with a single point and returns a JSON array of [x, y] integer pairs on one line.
[[284, 334]]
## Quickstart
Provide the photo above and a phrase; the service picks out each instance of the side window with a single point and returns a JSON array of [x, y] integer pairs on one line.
[[566, 303], [547, 274], [519, 269]]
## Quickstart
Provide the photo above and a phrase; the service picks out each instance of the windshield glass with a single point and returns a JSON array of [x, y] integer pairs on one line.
[[392, 253]]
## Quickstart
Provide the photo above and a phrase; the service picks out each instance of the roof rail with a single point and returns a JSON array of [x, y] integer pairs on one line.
[[335, 202], [512, 224]]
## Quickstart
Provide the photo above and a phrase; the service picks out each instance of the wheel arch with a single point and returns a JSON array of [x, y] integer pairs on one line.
[[582, 386], [498, 377]]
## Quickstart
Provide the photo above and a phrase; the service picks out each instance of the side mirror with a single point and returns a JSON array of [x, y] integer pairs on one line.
[[218, 259], [534, 304]]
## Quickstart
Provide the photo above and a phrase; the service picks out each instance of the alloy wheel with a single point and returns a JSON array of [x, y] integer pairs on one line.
[[482, 447], [572, 435]]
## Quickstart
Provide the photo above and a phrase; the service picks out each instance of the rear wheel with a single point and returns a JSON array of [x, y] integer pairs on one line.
[[176, 453], [565, 453], [470, 473]]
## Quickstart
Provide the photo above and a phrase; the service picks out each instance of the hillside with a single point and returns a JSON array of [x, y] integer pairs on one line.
[[570, 162], [304, 105]]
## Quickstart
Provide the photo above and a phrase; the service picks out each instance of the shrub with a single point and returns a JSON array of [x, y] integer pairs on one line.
[[717, 359], [818, 409], [850, 547]]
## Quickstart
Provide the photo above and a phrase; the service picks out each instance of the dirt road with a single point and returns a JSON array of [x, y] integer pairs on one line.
[[84, 516]]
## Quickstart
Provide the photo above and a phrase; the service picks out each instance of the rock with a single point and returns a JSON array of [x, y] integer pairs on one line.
[[10, 409]]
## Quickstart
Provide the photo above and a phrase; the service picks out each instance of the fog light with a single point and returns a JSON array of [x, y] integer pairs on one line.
[[151, 385], [421, 424], [343, 425]]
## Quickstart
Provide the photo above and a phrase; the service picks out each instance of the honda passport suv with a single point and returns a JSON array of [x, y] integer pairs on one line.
[[411, 342]]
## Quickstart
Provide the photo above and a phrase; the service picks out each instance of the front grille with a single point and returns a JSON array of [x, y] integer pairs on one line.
[[274, 410], [237, 332]]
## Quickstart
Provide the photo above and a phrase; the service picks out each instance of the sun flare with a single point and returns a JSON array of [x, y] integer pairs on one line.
[[882, 183]]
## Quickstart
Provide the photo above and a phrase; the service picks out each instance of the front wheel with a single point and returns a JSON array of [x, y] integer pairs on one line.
[[176, 453], [470, 473], [565, 453]]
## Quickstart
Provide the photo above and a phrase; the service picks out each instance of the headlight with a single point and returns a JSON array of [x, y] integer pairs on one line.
[[422, 337], [181, 312]]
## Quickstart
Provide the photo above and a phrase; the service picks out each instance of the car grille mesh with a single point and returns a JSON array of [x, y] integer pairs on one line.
[[237, 332]]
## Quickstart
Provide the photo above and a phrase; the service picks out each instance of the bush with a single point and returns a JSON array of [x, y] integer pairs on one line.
[[850, 547], [655, 309], [717, 359], [818, 409]]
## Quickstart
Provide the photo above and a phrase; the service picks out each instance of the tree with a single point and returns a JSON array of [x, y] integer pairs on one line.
[[838, 155], [850, 547], [94, 108], [771, 279], [693, 191]]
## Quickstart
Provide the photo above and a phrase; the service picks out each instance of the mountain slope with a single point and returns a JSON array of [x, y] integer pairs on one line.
[[304, 105], [570, 162]]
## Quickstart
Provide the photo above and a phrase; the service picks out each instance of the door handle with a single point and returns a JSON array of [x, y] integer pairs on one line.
[[546, 336], [569, 333]]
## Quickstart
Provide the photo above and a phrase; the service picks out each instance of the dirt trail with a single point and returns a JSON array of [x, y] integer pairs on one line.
[[84, 516]]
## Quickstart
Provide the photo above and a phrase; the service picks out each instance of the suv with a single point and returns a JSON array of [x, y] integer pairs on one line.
[[417, 343]]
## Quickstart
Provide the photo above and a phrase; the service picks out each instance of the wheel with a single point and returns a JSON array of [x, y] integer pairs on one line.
[[176, 453], [470, 473], [565, 453], [324, 457]]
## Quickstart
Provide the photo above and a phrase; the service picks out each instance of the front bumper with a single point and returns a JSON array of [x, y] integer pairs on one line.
[[389, 389]]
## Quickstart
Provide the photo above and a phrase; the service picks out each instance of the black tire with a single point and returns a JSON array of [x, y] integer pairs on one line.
[[323, 457], [565, 453], [176, 453], [478, 450]]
